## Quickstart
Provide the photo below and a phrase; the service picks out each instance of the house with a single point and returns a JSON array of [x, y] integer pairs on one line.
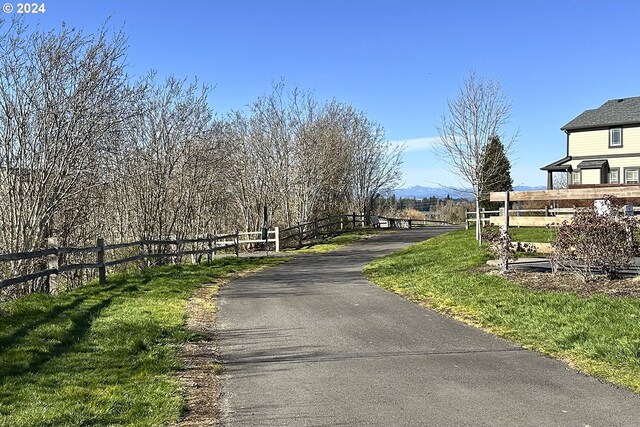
[[603, 146]]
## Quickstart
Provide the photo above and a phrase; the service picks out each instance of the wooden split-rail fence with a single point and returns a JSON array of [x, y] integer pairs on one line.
[[146, 250], [522, 217], [56, 260], [549, 216], [297, 235]]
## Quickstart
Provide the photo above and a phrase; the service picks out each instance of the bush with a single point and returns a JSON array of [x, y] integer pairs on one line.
[[501, 243], [596, 243]]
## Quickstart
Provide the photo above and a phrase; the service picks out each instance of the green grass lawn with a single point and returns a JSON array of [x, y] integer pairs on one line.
[[533, 234], [102, 355], [599, 335]]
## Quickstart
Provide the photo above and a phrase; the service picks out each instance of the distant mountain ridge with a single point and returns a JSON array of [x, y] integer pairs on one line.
[[418, 192]]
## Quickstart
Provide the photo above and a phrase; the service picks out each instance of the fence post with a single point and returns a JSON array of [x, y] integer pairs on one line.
[[315, 228], [210, 245], [52, 264], [102, 269], [215, 246], [300, 229], [506, 226], [353, 220], [466, 217], [409, 223], [277, 239], [143, 260], [237, 242]]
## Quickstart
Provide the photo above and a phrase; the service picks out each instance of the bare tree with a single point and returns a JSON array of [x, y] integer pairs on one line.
[[470, 122], [62, 99], [87, 152], [304, 158], [168, 162], [375, 162], [561, 180]]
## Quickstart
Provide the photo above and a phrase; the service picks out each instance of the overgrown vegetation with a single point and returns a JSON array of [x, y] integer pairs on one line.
[[102, 355], [599, 335], [500, 244], [596, 242], [88, 151]]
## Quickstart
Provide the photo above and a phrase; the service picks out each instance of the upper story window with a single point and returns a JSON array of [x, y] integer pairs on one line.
[[615, 137]]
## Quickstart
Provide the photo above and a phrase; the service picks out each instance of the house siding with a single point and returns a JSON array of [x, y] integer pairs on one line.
[[596, 142], [590, 176], [589, 143]]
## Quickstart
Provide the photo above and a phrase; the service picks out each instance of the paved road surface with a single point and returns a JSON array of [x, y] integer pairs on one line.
[[312, 343]]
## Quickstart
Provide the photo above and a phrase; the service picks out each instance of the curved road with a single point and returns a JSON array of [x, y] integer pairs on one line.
[[313, 343]]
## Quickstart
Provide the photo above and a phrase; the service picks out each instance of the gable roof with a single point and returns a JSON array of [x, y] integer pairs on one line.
[[592, 164], [622, 111]]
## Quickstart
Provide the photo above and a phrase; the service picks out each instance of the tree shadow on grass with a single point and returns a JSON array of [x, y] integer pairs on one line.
[[26, 350]]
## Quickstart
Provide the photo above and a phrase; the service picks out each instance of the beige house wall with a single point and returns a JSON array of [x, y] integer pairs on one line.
[[590, 176], [596, 142]]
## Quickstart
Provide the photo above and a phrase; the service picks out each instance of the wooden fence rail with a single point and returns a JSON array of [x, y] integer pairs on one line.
[[391, 222], [296, 235], [522, 217], [526, 217], [211, 245]]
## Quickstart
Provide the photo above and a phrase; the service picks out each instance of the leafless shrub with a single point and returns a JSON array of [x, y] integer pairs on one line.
[[596, 243]]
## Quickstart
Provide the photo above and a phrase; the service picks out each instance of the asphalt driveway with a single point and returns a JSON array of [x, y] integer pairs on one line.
[[313, 343]]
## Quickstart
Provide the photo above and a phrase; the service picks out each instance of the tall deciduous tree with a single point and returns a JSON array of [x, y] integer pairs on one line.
[[497, 171], [63, 99], [471, 120], [375, 163]]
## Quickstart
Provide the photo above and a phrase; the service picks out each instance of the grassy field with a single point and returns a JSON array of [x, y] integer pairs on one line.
[[533, 234], [599, 335], [102, 355]]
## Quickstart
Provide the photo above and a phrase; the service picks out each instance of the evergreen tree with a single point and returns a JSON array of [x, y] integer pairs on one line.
[[496, 170]]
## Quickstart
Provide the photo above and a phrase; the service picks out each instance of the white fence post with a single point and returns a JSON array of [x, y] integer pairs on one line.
[[53, 264], [277, 239]]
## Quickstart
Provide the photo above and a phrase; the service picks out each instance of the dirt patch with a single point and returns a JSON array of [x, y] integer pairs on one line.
[[567, 282], [201, 361], [202, 364]]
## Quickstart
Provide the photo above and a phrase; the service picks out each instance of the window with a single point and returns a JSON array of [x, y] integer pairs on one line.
[[614, 176], [615, 137], [632, 176], [575, 177]]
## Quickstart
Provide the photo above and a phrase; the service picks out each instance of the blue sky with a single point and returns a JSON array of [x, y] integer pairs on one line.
[[398, 61]]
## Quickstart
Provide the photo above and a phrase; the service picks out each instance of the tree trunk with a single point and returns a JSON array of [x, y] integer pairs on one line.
[[478, 222]]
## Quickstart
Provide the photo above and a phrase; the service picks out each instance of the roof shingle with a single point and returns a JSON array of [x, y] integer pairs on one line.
[[614, 112], [592, 164]]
